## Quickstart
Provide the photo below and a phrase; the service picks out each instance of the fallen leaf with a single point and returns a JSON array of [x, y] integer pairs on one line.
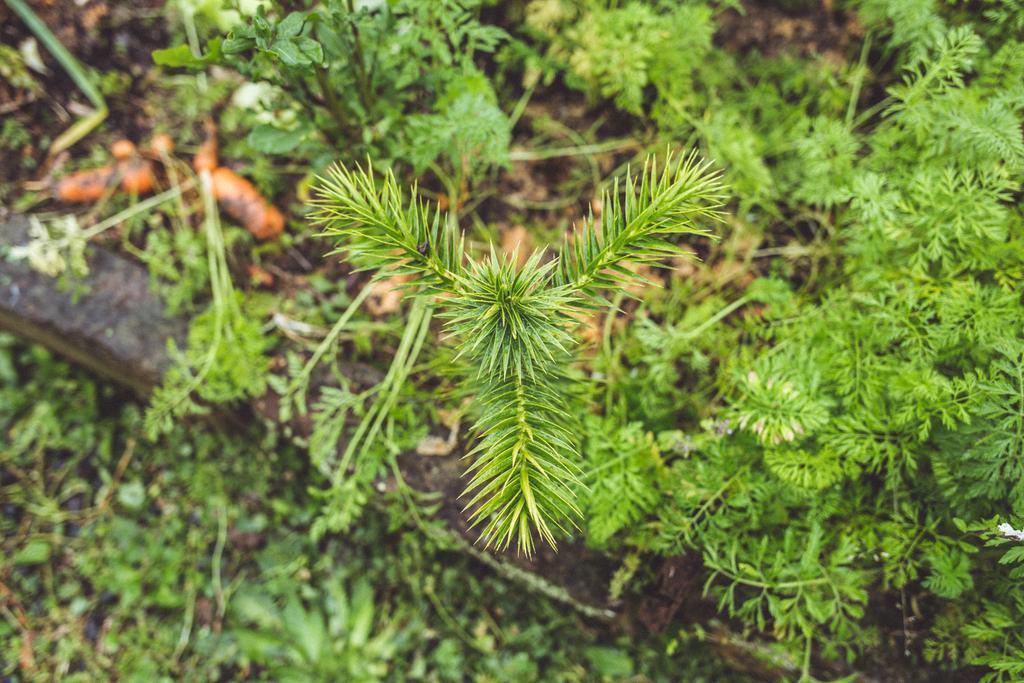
[[435, 446]]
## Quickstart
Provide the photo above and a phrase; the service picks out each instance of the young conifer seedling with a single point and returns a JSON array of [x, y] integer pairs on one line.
[[516, 326]]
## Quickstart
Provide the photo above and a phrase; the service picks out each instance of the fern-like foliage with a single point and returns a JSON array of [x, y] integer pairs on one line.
[[951, 572], [514, 326], [623, 467], [983, 464], [806, 470], [778, 411], [468, 134], [912, 26], [616, 52]]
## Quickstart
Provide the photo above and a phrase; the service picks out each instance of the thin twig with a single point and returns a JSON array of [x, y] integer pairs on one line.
[[573, 151]]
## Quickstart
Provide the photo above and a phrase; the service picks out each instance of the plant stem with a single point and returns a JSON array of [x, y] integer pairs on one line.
[[717, 317], [805, 669], [188, 18], [363, 78], [611, 360], [135, 209], [520, 106], [858, 82], [398, 381], [333, 105], [186, 626], [297, 389], [215, 562], [220, 286], [782, 585], [416, 326]]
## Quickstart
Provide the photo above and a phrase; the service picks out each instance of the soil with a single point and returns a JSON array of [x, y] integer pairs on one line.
[[796, 27], [110, 38]]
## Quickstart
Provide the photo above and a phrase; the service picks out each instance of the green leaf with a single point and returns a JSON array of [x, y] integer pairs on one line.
[[237, 44], [258, 609], [132, 495], [610, 661], [291, 25], [258, 645], [299, 51], [34, 552], [820, 610], [269, 139], [306, 629], [1015, 554], [182, 57], [362, 614]]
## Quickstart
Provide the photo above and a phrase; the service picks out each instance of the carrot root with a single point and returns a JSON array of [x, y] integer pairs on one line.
[[243, 202], [84, 186], [237, 197], [137, 176], [123, 149], [161, 145]]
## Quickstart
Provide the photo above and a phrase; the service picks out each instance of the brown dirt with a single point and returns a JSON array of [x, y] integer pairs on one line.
[[679, 579], [809, 28], [583, 573], [105, 37]]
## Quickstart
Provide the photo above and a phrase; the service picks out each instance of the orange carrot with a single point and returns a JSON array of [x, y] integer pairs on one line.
[[123, 149], [161, 145], [85, 186], [136, 176], [236, 196], [206, 158], [242, 201]]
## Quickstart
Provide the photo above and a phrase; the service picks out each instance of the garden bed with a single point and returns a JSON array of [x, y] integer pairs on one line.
[[699, 322]]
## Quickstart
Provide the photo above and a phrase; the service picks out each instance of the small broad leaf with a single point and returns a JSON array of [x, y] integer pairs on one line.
[[132, 495], [306, 628], [299, 51], [181, 56], [269, 139], [237, 44], [34, 552], [362, 614], [291, 25], [257, 644], [256, 608], [611, 662]]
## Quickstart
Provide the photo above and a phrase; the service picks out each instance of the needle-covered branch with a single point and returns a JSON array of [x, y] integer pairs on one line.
[[515, 326], [378, 229], [639, 216]]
